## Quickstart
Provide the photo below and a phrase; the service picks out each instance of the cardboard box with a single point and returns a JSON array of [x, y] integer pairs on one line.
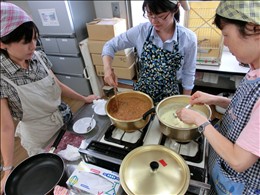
[[96, 47], [118, 61], [93, 180], [122, 73], [106, 28]]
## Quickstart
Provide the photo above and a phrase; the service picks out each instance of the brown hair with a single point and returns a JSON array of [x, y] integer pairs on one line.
[[245, 28]]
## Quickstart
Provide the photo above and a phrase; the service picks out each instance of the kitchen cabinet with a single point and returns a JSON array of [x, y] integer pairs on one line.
[[62, 26]]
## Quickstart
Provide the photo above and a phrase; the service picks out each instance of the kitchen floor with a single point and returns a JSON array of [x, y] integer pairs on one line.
[[19, 153]]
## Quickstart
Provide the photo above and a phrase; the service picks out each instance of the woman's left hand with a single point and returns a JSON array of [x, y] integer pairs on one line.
[[90, 98], [190, 116]]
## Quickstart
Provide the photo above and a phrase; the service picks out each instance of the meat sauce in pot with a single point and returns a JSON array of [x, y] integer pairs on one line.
[[128, 108]]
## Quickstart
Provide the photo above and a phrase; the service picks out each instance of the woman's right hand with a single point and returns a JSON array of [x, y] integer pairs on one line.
[[200, 97], [110, 78]]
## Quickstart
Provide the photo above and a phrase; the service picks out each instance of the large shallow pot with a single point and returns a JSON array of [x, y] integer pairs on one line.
[[165, 111], [154, 169], [126, 110]]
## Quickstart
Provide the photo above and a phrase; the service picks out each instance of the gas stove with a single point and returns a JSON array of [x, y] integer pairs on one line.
[[109, 148], [194, 153], [113, 146]]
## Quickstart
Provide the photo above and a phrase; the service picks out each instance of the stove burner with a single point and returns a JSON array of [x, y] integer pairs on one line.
[[197, 173], [121, 140], [199, 154], [104, 155]]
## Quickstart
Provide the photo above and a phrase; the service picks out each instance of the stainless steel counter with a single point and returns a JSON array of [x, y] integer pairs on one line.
[[229, 65]]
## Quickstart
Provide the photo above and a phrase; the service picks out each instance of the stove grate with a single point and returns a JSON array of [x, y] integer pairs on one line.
[[198, 156], [127, 145]]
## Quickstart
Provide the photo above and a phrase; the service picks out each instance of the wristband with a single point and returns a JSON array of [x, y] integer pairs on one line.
[[6, 168]]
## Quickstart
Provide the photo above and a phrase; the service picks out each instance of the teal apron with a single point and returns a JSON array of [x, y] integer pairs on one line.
[[158, 71], [220, 183]]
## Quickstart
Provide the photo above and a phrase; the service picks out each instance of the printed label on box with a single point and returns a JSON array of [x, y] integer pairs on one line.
[[94, 180]]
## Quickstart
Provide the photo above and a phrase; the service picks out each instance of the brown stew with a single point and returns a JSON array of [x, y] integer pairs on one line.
[[128, 108]]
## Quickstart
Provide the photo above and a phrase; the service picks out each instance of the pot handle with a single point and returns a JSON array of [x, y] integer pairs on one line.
[[151, 111], [58, 139]]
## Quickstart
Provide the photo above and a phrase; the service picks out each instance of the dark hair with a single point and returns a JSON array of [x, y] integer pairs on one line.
[[159, 6], [244, 28], [27, 31]]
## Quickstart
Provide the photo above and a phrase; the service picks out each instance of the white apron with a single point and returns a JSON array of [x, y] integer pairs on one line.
[[41, 117]]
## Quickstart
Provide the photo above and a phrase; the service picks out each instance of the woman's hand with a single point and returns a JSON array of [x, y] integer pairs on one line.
[[110, 78], [90, 98], [202, 98], [205, 98], [191, 117]]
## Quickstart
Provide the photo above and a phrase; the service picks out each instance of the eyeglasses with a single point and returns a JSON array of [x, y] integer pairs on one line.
[[156, 17]]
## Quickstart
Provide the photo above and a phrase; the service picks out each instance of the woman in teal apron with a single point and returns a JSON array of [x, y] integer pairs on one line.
[[234, 164], [166, 52]]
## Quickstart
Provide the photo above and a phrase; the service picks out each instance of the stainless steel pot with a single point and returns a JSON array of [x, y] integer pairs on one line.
[[120, 101], [154, 169], [169, 105]]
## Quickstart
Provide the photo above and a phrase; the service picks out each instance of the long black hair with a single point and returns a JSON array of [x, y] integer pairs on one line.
[[27, 31], [159, 6]]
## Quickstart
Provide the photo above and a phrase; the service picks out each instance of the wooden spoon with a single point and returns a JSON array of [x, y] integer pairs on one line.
[[116, 98]]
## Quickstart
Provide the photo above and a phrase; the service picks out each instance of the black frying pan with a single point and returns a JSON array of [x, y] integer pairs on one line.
[[38, 174]]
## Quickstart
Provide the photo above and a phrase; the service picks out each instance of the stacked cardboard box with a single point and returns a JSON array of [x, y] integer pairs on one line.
[[102, 30]]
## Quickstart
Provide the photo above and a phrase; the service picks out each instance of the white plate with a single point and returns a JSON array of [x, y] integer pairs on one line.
[[81, 125], [100, 109]]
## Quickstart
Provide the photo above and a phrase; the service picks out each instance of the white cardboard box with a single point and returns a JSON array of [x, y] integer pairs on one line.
[[88, 178]]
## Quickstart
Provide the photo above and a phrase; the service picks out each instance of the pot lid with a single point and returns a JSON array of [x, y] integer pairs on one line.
[[154, 169]]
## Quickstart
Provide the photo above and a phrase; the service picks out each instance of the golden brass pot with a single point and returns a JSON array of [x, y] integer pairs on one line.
[[122, 98], [154, 169], [180, 134]]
